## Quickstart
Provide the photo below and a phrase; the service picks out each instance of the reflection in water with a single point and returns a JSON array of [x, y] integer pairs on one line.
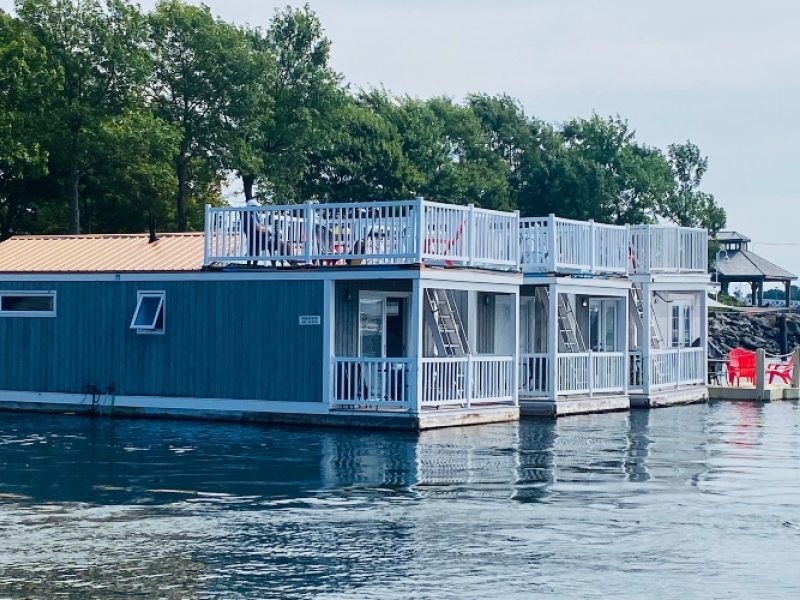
[[98, 508]]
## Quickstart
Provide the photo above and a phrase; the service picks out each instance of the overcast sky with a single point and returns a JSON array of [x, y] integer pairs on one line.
[[722, 73]]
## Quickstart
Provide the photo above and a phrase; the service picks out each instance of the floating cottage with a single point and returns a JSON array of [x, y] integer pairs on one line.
[[407, 314]]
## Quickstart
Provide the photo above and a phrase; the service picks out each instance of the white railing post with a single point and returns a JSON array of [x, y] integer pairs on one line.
[[760, 373], [678, 367], [630, 251], [421, 234], [468, 388], [553, 243], [470, 234], [515, 245], [207, 235], [591, 374], [592, 248], [308, 215]]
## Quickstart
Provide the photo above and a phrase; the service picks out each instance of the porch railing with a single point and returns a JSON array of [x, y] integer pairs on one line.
[[551, 244], [676, 366], [668, 249], [412, 231], [372, 382], [465, 380], [587, 373], [533, 374]]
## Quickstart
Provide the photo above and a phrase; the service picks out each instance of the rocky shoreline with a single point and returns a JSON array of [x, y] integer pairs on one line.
[[728, 330]]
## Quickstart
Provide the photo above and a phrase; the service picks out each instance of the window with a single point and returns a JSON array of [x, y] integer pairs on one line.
[[681, 326], [603, 325], [149, 314], [28, 304]]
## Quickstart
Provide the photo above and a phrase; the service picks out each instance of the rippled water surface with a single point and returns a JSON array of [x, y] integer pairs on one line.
[[687, 502]]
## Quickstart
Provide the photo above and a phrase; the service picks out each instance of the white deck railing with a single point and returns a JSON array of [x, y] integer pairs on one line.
[[372, 382], [668, 249], [465, 380], [551, 244], [676, 367], [533, 374], [588, 373], [413, 231]]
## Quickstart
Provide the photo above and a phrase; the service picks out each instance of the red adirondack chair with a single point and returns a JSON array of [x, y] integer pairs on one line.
[[741, 365], [781, 369]]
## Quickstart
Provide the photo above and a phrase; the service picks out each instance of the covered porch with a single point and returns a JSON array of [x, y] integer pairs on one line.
[[668, 342], [573, 345], [431, 343]]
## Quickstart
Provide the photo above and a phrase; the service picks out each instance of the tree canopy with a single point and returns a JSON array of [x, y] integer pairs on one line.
[[110, 115]]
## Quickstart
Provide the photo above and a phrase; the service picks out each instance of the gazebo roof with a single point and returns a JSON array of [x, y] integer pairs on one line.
[[743, 265], [732, 236]]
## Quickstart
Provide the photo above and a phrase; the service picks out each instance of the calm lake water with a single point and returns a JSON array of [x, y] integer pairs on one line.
[[688, 502]]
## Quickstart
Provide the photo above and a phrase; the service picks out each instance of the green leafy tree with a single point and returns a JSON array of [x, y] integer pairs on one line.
[[23, 158], [295, 95], [95, 48], [687, 205], [203, 68]]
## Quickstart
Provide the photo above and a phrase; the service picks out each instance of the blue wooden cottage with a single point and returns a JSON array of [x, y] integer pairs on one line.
[[393, 314], [396, 314]]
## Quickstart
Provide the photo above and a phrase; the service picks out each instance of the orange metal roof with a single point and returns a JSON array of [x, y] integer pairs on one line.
[[101, 253]]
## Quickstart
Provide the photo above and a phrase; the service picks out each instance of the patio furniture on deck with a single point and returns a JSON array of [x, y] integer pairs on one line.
[[783, 370], [741, 365]]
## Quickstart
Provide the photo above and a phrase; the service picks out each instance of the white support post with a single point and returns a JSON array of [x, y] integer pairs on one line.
[[552, 342], [516, 246], [207, 236], [678, 365], [470, 234], [626, 348], [592, 249], [515, 367], [421, 233], [647, 315], [760, 373], [328, 340], [553, 244], [647, 258], [704, 333], [309, 218], [591, 374], [415, 391], [629, 252]]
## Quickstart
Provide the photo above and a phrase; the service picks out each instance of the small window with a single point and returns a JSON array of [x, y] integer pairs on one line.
[[149, 314], [28, 304]]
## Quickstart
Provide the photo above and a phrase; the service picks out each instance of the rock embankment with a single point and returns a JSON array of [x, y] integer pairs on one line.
[[728, 330]]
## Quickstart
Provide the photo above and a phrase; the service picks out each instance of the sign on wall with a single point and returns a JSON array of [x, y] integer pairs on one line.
[[310, 320]]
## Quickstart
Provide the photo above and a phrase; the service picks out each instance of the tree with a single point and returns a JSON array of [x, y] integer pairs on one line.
[[203, 68], [687, 205], [23, 158], [294, 97], [95, 49]]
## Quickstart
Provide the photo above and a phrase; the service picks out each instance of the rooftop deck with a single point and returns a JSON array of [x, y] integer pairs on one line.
[[402, 232], [555, 245], [422, 232]]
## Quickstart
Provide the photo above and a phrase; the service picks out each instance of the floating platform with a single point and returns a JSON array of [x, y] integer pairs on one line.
[[573, 406], [770, 393]]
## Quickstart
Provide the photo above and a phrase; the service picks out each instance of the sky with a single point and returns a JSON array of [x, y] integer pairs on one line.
[[721, 73]]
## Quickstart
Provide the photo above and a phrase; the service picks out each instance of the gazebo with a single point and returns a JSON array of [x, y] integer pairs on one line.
[[736, 264]]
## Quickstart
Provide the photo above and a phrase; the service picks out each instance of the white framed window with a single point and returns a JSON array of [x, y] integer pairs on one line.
[[603, 325], [27, 303], [681, 326], [149, 314]]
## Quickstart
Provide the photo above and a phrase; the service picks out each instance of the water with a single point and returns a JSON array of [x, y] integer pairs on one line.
[[686, 502]]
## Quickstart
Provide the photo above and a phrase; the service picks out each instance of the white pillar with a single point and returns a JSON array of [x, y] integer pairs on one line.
[[552, 343], [416, 350], [626, 319], [515, 365], [704, 333], [647, 315]]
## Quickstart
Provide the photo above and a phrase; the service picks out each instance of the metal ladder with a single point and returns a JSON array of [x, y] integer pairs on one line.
[[568, 326], [656, 337], [446, 325]]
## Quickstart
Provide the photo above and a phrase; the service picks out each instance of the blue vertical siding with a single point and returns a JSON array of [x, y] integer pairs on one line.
[[223, 339]]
